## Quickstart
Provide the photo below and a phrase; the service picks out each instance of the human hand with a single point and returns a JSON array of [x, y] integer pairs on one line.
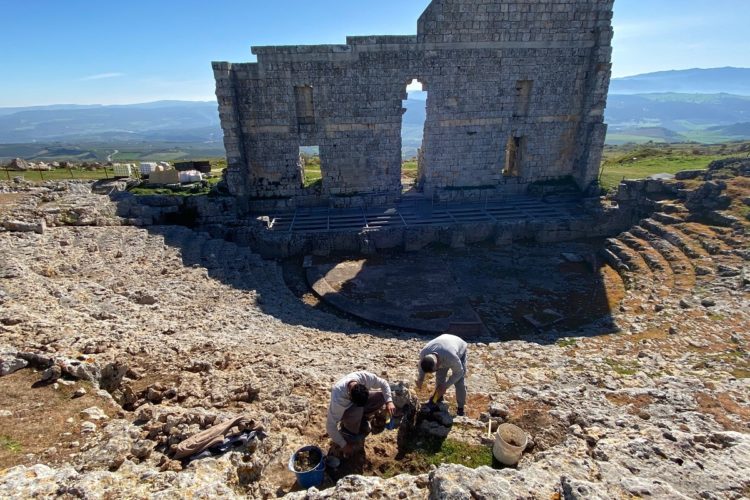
[[348, 449], [390, 407]]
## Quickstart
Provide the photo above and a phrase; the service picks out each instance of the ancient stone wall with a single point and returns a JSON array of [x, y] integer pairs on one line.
[[517, 91]]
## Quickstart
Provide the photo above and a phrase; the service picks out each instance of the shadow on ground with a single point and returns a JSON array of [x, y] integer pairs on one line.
[[534, 292]]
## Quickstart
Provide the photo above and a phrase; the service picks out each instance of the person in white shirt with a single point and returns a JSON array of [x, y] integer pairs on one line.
[[445, 353], [354, 399]]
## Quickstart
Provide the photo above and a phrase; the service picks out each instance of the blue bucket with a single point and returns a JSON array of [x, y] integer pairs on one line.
[[313, 477]]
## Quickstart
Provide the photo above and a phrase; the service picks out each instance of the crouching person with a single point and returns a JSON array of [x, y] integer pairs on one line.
[[447, 353], [354, 400]]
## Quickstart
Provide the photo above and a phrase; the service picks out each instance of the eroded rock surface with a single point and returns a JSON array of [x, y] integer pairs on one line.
[[169, 331]]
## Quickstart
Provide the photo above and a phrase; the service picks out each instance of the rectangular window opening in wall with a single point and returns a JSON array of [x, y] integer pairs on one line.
[[513, 156], [310, 166], [412, 134], [523, 97], [303, 96]]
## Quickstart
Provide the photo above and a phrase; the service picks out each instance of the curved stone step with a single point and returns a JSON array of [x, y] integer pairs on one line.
[[663, 276], [675, 237], [615, 262], [671, 206], [667, 219], [630, 259], [706, 237], [681, 265], [732, 240]]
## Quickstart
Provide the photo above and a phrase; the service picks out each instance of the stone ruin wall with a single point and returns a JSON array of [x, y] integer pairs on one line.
[[529, 75]]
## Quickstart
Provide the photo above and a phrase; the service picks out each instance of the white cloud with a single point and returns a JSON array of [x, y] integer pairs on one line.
[[101, 76]]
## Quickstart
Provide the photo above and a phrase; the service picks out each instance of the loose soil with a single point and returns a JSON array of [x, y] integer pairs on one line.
[[305, 461], [39, 425], [534, 418]]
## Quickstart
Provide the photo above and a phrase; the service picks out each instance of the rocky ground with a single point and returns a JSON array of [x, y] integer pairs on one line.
[[117, 342]]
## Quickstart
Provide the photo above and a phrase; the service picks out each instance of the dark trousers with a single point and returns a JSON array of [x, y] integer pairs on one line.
[[354, 425]]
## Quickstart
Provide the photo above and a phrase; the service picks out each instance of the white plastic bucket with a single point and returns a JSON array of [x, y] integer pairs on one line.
[[510, 442]]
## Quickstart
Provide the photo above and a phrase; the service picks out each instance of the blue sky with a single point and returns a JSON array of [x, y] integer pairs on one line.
[[101, 51]]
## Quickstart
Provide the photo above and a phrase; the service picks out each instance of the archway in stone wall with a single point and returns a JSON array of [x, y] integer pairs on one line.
[[412, 134]]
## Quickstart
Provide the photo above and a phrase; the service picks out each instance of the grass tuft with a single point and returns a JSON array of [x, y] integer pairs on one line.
[[9, 444], [620, 368]]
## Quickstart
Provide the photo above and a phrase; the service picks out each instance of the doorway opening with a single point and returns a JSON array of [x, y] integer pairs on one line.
[[310, 167], [412, 134]]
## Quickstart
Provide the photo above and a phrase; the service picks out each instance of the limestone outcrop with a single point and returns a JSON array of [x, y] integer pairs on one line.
[[160, 332]]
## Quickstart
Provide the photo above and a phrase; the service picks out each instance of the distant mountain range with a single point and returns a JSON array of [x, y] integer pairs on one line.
[[180, 121], [690, 81], [705, 105], [699, 105]]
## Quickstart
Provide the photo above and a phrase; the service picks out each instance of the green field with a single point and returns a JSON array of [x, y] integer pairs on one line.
[[637, 162], [57, 174]]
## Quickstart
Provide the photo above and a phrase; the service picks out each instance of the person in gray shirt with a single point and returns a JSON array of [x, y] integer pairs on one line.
[[445, 353]]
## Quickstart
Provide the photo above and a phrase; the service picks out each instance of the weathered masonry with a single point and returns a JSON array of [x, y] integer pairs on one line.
[[516, 94]]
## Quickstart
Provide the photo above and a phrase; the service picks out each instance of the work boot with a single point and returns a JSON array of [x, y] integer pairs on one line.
[[460, 411]]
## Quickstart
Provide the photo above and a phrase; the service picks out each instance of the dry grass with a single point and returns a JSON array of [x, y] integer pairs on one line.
[[39, 420], [721, 404], [739, 188], [534, 418], [632, 404], [7, 200]]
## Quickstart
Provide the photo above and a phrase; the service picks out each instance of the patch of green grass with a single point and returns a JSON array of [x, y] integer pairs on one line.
[[9, 444], [197, 189], [640, 161], [427, 451], [567, 342], [409, 165], [457, 452], [313, 177], [642, 168], [620, 368], [736, 354]]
